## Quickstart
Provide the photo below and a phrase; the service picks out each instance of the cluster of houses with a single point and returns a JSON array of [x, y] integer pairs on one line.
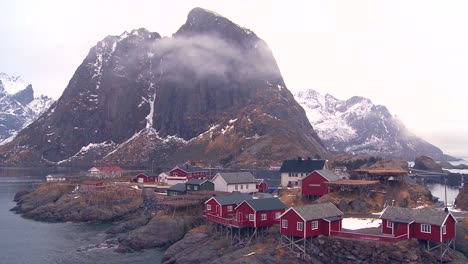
[[303, 222]]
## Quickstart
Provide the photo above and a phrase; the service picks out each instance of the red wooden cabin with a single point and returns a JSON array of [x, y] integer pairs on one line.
[[142, 178], [262, 185], [260, 212], [311, 220], [422, 223], [315, 184], [223, 205], [187, 171]]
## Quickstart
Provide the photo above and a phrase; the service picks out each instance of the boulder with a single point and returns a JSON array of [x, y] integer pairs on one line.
[[427, 163]]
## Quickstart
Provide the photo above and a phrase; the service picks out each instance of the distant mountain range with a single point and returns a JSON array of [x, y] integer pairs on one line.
[[18, 106], [357, 125], [211, 93]]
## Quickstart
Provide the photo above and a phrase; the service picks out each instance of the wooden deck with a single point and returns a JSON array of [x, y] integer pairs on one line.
[[232, 221], [381, 238]]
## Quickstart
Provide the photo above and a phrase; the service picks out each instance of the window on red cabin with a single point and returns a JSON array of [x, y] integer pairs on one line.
[[314, 225], [284, 223], [425, 228], [277, 215], [264, 217], [229, 208], [300, 225], [389, 224], [208, 207], [444, 230], [251, 217]]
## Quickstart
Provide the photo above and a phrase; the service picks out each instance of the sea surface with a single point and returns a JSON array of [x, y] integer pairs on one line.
[[438, 190], [26, 241]]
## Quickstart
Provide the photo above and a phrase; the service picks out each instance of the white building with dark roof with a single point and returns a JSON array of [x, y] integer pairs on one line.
[[243, 182]]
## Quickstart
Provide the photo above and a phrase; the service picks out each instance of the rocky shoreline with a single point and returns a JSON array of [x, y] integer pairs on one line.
[[141, 223]]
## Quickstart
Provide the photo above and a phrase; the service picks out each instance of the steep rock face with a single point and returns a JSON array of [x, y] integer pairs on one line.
[[357, 125], [212, 92], [18, 106]]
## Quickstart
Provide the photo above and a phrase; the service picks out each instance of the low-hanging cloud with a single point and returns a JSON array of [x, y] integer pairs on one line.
[[211, 55]]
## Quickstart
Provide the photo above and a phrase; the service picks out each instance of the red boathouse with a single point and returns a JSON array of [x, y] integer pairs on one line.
[[223, 205], [311, 220], [429, 224], [315, 184], [260, 212], [143, 178]]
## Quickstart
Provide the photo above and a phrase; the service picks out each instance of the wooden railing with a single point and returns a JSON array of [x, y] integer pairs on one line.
[[222, 220], [380, 238]]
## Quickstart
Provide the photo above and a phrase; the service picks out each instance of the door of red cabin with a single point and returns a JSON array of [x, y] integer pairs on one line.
[[239, 217], [218, 210]]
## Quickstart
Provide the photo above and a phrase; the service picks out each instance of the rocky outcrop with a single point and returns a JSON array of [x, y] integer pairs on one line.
[[359, 126], [60, 203], [427, 163], [160, 231], [213, 93], [199, 246]]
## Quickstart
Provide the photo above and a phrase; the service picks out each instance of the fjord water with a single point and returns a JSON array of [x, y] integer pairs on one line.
[[28, 241]]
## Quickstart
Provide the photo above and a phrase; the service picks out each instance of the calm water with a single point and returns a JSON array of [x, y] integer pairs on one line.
[[28, 241], [438, 190]]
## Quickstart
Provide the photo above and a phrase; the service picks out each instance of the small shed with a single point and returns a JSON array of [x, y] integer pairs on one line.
[[260, 212], [178, 189], [315, 184], [143, 178], [311, 220], [199, 185], [262, 185]]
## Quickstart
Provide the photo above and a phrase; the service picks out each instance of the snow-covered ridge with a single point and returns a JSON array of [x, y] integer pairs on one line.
[[18, 108], [12, 84], [357, 125]]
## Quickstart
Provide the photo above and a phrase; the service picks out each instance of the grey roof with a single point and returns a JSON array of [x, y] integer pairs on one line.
[[190, 168], [424, 215], [300, 165], [318, 211], [237, 177], [195, 182], [329, 175], [179, 187], [266, 204], [235, 198]]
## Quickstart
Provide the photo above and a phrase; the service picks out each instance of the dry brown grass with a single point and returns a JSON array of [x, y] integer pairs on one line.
[[203, 229]]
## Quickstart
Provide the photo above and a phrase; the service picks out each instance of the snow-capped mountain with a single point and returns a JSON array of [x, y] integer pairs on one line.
[[357, 125], [18, 106], [211, 93]]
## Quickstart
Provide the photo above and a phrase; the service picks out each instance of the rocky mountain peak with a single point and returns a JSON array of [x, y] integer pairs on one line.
[[357, 125], [18, 106], [213, 92]]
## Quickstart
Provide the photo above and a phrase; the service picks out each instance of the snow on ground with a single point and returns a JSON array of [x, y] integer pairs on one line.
[[352, 223]]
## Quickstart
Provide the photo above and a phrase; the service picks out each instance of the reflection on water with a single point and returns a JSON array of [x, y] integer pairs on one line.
[[28, 241]]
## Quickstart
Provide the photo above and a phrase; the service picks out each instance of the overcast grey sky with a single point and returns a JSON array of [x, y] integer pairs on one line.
[[411, 56]]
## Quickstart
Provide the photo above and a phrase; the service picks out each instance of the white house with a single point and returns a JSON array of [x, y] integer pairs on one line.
[[162, 177], [243, 182], [293, 171]]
